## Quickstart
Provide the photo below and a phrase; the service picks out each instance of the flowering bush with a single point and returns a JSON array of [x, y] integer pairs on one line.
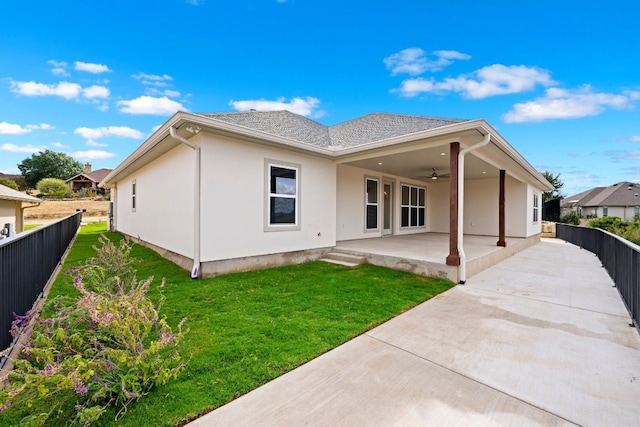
[[107, 348]]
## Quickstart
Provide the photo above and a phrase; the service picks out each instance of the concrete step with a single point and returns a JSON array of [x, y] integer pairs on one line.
[[344, 259]]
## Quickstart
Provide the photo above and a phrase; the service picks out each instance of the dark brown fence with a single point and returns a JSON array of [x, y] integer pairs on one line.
[[27, 261], [619, 257]]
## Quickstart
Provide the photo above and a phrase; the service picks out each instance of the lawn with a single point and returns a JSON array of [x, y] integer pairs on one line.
[[249, 328]]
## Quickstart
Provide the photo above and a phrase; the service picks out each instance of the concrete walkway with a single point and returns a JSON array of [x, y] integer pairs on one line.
[[540, 339]]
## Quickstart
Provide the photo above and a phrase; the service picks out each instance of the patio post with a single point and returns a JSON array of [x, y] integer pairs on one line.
[[454, 257], [501, 238]]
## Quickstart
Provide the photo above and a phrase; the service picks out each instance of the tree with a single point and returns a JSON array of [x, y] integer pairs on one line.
[[53, 187], [9, 183], [557, 185], [49, 164]]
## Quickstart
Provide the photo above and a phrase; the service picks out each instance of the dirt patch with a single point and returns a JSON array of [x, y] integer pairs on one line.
[[56, 209]]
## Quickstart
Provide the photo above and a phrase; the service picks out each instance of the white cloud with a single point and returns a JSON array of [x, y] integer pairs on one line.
[[14, 129], [153, 79], [635, 138], [65, 90], [95, 91], [92, 155], [92, 143], [414, 60], [21, 148], [119, 131], [306, 106], [565, 104], [620, 155], [58, 68], [162, 106], [488, 81], [90, 67], [59, 145], [167, 92]]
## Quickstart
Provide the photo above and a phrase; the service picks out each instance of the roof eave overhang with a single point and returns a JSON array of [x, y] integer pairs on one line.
[[181, 118]]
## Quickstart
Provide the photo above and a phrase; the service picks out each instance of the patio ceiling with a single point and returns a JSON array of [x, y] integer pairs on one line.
[[420, 163]]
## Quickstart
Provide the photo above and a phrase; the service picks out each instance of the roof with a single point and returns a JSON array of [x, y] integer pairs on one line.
[[95, 176], [7, 193], [619, 194], [367, 136], [363, 130]]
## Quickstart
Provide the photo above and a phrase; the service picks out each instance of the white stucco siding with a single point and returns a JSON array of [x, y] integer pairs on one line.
[[234, 198], [164, 202], [7, 212], [350, 196], [626, 213], [516, 210], [481, 207], [438, 207], [533, 227]]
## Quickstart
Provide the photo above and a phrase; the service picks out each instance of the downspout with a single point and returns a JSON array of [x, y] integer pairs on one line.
[[462, 268], [195, 270]]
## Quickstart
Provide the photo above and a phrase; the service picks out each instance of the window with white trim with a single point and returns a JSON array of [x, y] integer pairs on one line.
[[536, 207], [283, 194], [605, 210], [412, 206], [133, 195], [371, 203]]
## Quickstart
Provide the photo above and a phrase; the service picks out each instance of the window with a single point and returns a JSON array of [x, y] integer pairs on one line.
[[412, 208], [536, 207], [371, 202], [282, 208], [605, 210], [133, 196], [636, 212]]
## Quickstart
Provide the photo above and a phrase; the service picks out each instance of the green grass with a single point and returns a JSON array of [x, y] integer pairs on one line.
[[31, 226], [249, 328]]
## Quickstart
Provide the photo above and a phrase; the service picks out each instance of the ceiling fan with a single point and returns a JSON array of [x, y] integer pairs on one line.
[[434, 176]]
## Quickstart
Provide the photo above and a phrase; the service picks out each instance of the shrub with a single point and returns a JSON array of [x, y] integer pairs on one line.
[[608, 223], [571, 217], [85, 192], [9, 183], [53, 187], [109, 347]]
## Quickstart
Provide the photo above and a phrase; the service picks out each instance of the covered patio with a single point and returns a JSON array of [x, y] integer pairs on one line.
[[426, 253]]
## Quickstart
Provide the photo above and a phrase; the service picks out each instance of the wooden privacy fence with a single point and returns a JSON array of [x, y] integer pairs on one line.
[[27, 262], [618, 256]]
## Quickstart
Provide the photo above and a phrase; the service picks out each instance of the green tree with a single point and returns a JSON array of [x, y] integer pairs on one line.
[[53, 187], [557, 185], [9, 183], [49, 164]]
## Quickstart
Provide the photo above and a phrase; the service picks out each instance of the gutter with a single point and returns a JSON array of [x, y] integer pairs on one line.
[[195, 270], [462, 268]]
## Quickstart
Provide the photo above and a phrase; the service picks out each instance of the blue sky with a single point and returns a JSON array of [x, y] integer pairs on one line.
[[559, 80]]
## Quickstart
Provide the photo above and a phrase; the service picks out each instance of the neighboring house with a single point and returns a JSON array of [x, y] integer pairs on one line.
[[621, 200], [87, 179], [236, 191], [12, 206]]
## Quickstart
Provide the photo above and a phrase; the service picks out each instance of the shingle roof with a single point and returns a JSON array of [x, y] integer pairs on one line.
[[360, 131], [7, 193], [96, 176], [620, 194]]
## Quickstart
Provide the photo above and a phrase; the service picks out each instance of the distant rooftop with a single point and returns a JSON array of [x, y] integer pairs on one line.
[[619, 194]]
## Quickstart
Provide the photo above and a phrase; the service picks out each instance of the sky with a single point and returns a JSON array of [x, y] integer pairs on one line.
[[559, 80]]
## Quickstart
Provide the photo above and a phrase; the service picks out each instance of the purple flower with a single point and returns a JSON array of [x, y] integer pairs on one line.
[[5, 406], [80, 388]]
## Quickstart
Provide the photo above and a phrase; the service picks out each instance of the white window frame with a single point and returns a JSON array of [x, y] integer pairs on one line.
[[369, 203], [413, 204], [134, 189], [268, 226], [536, 207]]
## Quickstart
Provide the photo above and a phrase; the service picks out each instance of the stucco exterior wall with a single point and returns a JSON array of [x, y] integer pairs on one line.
[[438, 208], [235, 194], [516, 210], [7, 212], [533, 227], [164, 202], [350, 196]]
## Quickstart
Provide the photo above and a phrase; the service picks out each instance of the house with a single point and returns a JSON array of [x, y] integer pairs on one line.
[[247, 190], [12, 206], [87, 179], [620, 199]]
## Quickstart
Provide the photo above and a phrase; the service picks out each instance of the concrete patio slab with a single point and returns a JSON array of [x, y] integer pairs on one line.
[[539, 339]]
